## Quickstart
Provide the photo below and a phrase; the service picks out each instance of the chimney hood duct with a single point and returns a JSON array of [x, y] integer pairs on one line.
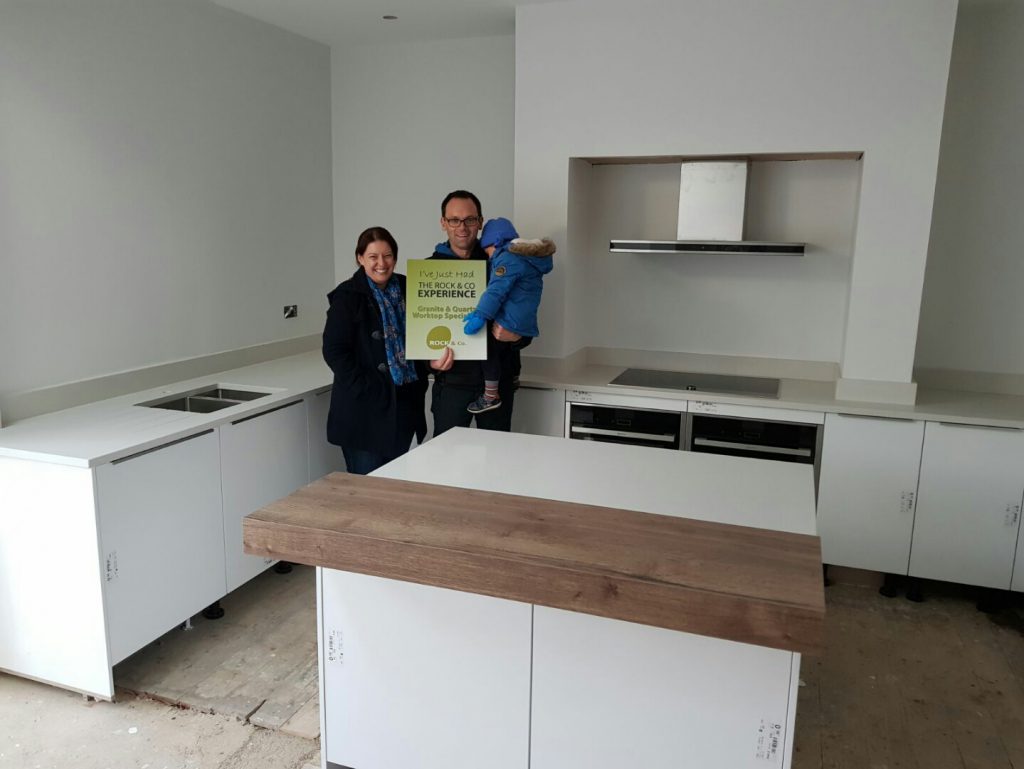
[[712, 200]]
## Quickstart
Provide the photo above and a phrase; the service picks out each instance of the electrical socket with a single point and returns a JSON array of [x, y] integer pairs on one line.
[[291, 311]]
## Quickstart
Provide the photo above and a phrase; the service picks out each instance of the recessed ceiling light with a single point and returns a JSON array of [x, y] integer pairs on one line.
[[389, 17]]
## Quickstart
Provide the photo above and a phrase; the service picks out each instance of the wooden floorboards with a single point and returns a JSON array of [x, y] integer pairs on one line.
[[933, 685], [901, 685]]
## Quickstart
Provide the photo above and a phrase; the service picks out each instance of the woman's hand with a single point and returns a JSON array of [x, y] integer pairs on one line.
[[503, 334], [445, 361]]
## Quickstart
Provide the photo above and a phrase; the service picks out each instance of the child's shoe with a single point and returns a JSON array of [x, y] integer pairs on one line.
[[482, 404]]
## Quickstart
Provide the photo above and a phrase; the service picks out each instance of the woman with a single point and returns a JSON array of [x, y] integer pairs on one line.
[[377, 397]]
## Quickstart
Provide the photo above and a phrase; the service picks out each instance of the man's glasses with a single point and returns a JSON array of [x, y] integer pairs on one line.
[[469, 221]]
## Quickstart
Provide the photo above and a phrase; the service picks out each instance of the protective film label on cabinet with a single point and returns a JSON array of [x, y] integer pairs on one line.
[[769, 739], [335, 650]]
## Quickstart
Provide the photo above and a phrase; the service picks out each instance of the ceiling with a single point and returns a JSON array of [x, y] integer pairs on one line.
[[355, 22]]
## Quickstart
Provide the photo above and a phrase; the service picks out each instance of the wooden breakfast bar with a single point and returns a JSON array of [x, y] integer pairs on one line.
[[501, 600]]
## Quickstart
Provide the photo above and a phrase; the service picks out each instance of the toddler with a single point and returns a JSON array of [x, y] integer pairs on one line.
[[517, 270]]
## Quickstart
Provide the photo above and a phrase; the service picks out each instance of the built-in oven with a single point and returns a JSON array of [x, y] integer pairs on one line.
[[784, 435], [654, 422], [780, 434]]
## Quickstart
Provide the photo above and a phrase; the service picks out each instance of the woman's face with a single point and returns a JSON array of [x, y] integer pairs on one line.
[[378, 262]]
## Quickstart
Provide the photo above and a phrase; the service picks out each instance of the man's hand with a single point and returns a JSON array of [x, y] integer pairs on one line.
[[473, 323], [445, 361], [502, 334]]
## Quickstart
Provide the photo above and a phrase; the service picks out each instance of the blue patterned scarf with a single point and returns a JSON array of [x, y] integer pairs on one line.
[[392, 313]]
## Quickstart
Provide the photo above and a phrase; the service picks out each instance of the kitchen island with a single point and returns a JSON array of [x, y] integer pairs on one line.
[[671, 639]]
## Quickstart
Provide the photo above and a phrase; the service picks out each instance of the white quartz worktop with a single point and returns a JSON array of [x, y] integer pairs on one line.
[[734, 490], [958, 406], [95, 433]]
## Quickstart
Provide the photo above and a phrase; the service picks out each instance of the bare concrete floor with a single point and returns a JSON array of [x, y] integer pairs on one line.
[[42, 727], [233, 693], [933, 685], [257, 663]]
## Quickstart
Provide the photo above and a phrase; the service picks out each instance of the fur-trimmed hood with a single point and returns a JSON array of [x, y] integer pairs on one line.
[[534, 247]]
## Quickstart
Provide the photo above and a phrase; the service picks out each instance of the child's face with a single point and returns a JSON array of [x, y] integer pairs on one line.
[[490, 251]]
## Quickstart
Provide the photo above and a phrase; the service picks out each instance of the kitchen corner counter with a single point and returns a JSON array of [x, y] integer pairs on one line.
[[95, 433], [937, 405]]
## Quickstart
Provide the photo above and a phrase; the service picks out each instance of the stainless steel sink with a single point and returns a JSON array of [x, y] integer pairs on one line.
[[230, 394], [203, 400], [193, 403]]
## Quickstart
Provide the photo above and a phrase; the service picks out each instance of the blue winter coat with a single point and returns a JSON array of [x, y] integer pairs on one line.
[[513, 291]]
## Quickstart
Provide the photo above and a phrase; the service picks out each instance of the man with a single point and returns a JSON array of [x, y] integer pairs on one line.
[[457, 385]]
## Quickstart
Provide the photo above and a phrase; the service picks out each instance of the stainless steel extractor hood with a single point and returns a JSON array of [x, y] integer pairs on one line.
[[712, 200]]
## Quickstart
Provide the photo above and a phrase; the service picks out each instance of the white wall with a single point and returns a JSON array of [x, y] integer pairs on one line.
[[972, 315], [667, 77], [412, 122], [165, 185], [745, 305]]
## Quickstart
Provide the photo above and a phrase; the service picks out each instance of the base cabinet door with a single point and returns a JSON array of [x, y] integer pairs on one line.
[[609, 694], [264, 457], [539, 411], [324, 458], [969, 502], [162, 539], [867, 489], [420, 676]]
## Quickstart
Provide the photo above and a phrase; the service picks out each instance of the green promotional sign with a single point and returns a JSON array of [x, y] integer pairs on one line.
[[439, 293]]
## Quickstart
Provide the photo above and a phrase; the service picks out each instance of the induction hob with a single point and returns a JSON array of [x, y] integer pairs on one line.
[[758, 387]]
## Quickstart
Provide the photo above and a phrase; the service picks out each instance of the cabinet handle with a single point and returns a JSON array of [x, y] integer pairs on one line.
[[142, 453], [982, 427], [872, 417], [663, 438], [538, 389], [751, 447], [323, 391], [264, 413]]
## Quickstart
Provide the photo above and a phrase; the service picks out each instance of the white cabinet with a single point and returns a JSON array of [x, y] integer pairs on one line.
[[162, 539], [324, 458], [420, 676], [968, 506], [869, 470], [539, 411], [117, 524], [263, 457], [610, 694], [52, 624]]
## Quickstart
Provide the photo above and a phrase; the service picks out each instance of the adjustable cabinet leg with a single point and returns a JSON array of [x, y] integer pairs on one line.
[[890, 585], [914, 592], [213, 611], [992, 601], [282, 567]]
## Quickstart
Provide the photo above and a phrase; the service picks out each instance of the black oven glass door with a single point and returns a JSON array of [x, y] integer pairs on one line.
[[783, 441], [613, 424]]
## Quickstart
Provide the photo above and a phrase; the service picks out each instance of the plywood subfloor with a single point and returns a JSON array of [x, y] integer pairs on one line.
[[257, 663]]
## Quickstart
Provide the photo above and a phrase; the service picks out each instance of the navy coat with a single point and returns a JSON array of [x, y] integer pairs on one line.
[[363, 413]]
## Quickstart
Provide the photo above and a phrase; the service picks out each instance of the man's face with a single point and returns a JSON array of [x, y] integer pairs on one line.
[[461, 222]]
